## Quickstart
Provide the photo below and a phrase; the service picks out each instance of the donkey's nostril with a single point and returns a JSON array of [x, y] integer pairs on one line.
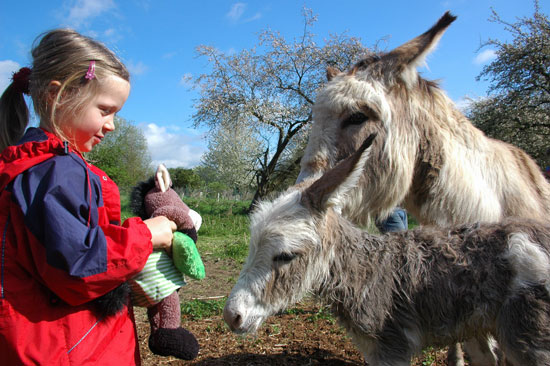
[[233, 318], [237, 321]]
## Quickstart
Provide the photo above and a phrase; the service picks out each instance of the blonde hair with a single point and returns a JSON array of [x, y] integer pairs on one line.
[[61, 55]]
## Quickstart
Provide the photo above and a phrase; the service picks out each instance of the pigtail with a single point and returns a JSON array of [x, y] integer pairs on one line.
[[14, 113]]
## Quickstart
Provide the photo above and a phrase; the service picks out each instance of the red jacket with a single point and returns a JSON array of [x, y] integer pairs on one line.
[[61, 246]]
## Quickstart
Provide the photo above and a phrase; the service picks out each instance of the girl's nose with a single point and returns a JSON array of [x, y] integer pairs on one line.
[[109, 125]]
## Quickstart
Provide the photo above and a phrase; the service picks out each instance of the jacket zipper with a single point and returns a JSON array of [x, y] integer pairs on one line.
[[85, 335]]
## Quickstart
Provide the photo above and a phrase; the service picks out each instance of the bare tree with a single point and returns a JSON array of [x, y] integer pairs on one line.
[[270, 89], [231, 156]]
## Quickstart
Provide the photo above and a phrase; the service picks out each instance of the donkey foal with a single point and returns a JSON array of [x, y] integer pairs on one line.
[[398, 293]]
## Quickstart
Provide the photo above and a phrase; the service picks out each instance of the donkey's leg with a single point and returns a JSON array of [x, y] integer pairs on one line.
[[482, 351], [381, 352], [397, 346], [455, 356]]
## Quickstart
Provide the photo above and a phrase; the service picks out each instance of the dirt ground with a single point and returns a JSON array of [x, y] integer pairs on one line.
[[304, 336]]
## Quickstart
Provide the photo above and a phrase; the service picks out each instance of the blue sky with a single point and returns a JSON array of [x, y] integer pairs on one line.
[[157, 41]]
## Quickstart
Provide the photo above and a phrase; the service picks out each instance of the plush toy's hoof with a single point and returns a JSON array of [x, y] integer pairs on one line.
[[178, 342]]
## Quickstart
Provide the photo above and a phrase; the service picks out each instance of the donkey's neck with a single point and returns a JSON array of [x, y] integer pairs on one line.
[[359, 292], [436, 121]]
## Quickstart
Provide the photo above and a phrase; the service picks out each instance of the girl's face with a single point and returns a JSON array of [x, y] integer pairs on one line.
[[97, 117]]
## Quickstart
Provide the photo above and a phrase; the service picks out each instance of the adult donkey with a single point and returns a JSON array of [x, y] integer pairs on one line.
[[428, 157]]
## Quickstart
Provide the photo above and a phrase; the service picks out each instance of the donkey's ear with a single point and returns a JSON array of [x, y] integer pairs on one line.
[[407, 57], [334, 184], [332, 72]]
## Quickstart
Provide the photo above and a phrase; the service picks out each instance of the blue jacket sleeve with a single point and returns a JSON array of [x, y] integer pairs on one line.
[[62, 206]]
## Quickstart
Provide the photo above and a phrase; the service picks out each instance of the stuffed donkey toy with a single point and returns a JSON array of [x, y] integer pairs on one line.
[[156, 286]]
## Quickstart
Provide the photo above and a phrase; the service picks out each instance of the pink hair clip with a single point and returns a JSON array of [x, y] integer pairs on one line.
[[91, 71]]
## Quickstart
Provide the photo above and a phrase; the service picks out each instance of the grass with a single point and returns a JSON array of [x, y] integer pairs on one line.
[[411, 221], [219, 217], [429, 355], [201, 309], [224, 230], [125, 206]]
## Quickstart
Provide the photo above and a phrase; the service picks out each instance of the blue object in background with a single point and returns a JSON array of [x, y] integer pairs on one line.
[[396, 221]]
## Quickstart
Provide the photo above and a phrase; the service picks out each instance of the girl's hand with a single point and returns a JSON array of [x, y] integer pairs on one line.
[[162, 232]]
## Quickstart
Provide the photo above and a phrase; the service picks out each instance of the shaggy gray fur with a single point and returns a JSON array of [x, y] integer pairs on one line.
[[400, 292], [431, 286]]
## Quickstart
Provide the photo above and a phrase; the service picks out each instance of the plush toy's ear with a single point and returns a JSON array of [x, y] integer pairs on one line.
[[163, 178]]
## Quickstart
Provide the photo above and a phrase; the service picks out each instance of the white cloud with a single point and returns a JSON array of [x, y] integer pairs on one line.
[[109, 32], [485, 56], [111, 36], [7, 68], [145, 4], [236, 12], [169, 55], [173, 148], [91, 33], [136, 68], [84, 10], [256, 16]]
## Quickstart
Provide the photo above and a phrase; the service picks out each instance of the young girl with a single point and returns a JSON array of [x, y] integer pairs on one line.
[[61, 243]]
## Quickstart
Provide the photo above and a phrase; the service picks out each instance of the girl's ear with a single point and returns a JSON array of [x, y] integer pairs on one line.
[[53, 90]]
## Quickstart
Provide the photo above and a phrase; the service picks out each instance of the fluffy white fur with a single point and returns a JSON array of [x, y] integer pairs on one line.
[[529, 261]]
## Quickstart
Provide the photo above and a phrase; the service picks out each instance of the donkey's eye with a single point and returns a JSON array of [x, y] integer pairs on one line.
[[355, 119], [284, 258]]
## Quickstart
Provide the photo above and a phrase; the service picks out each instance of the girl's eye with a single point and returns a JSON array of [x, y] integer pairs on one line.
[[355, 119], [284, 258], [105, 111]]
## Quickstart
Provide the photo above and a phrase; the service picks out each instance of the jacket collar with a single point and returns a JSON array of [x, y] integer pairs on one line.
[[36, 146]]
